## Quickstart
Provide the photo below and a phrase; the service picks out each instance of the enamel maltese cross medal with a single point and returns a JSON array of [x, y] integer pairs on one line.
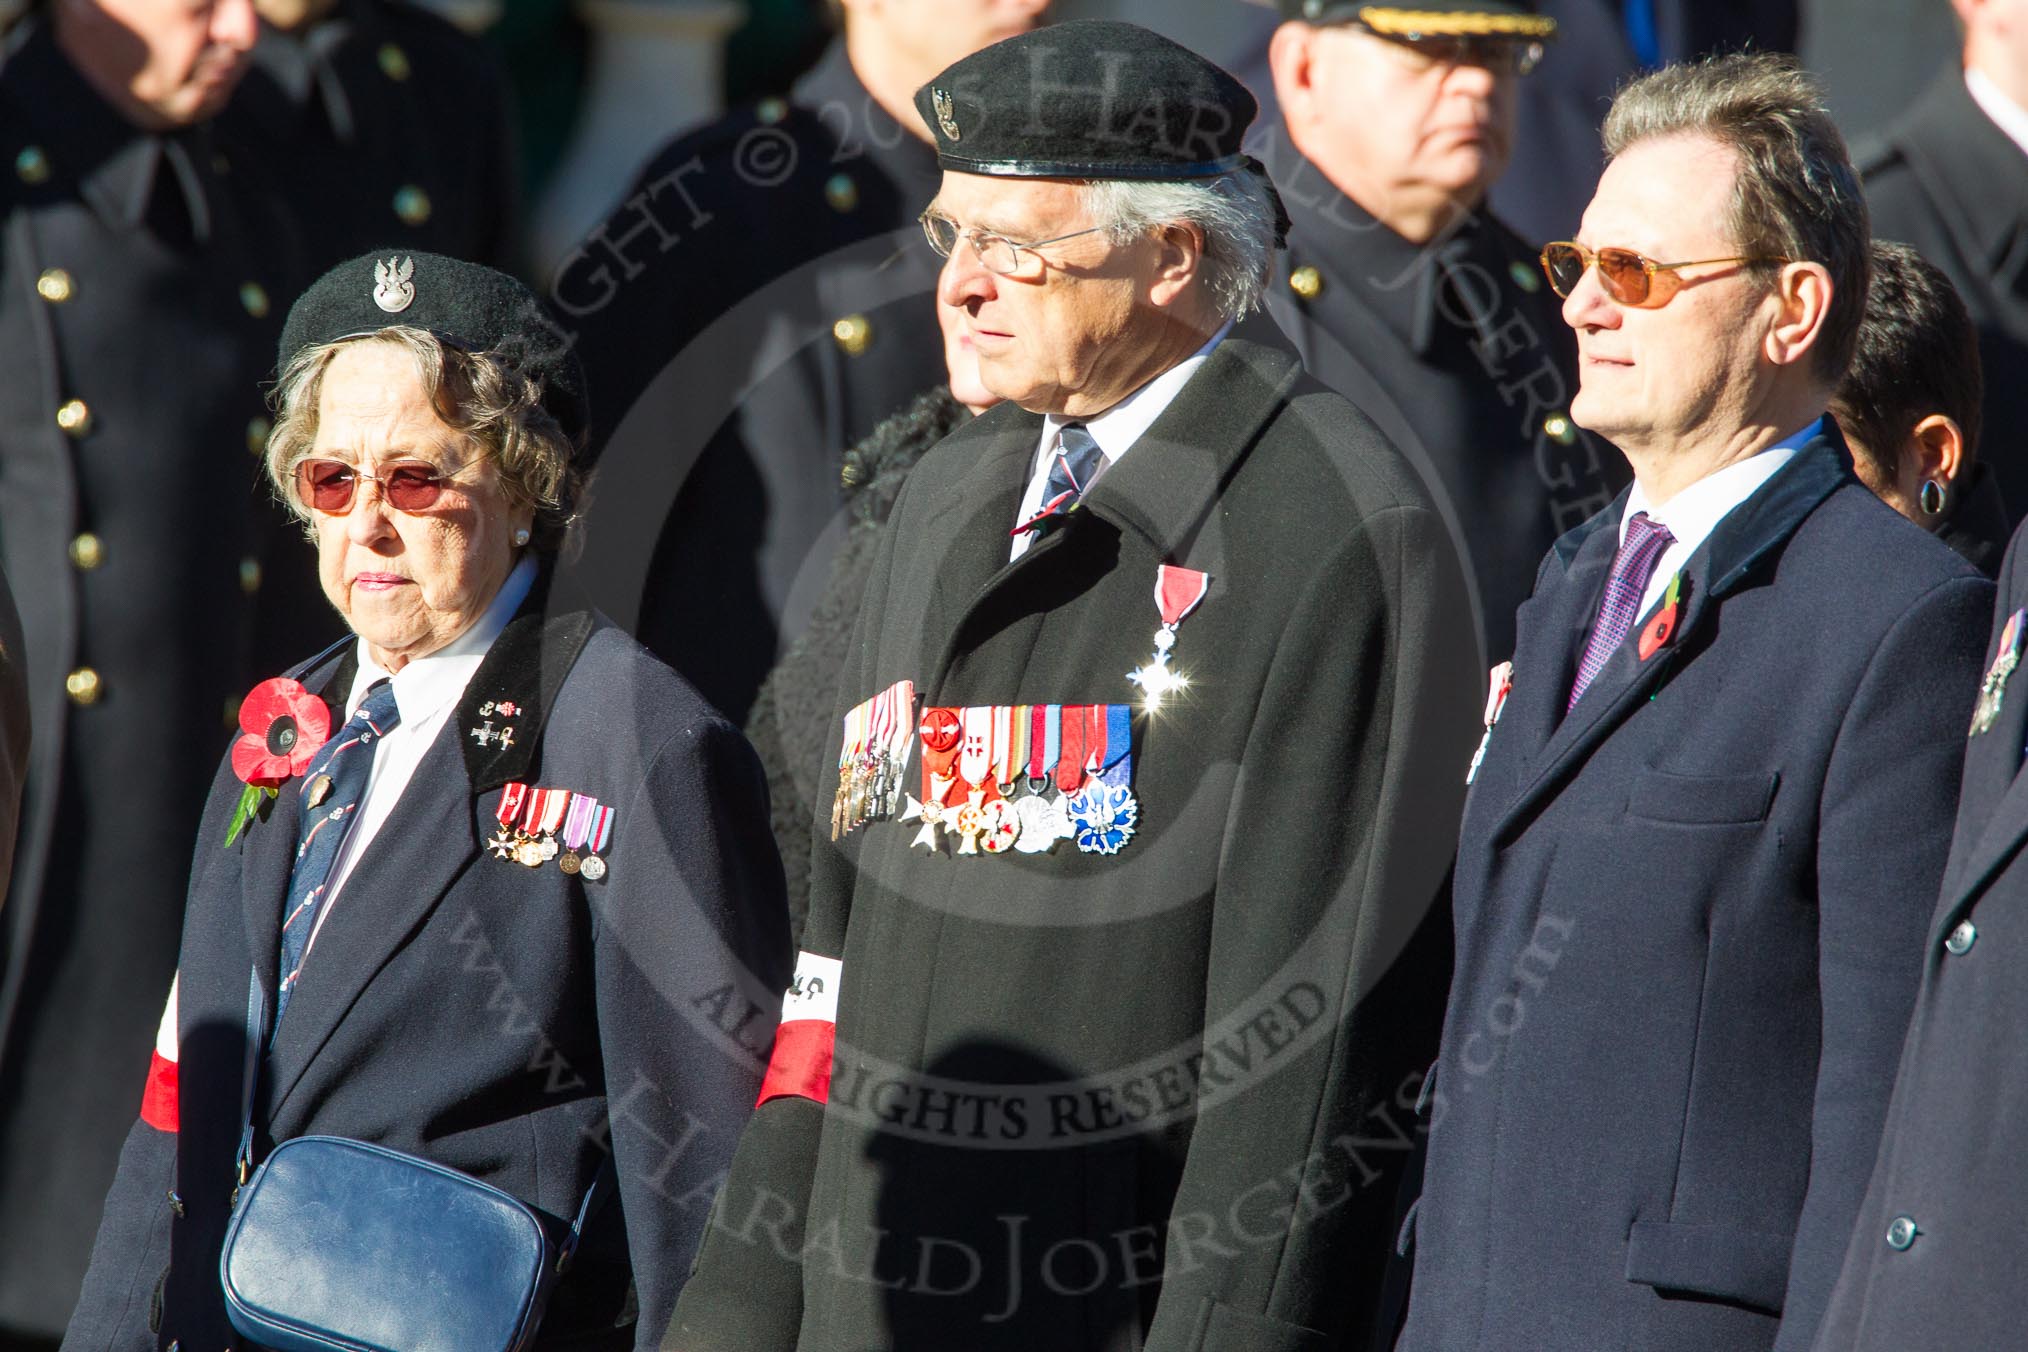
[[1177, 592], [1994, 688]]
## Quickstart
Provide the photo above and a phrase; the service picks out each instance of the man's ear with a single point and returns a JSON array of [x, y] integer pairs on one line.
[[1938, 445], [1804, 290], [1179, 262], [1290, 67]]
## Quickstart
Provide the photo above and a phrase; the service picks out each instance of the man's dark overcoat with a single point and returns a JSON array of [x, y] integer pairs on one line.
[[1946, 180], [507, 1021], [760, 300], [1159, 1098], [1688, 914], [140, 295], [1458, 351], [1958, 1125]]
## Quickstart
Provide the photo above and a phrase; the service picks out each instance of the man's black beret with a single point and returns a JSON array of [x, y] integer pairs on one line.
[[1092, 98], [1515, 19], [467, 305]]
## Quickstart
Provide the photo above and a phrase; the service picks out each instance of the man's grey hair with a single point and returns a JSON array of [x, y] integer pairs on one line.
[[1235, 212], [1796, 196]]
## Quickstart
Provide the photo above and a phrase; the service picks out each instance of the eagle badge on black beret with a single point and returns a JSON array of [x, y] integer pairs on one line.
[[392, 289], [941, 99]]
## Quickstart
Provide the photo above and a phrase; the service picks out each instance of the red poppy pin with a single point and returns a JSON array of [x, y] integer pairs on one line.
[[282, 725], [1661, 626]]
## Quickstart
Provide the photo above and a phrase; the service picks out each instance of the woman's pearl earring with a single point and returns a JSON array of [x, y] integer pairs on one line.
[[521, 536]]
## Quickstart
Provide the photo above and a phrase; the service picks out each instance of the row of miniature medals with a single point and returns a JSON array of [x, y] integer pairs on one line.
[[1020, 778], [538, 825]]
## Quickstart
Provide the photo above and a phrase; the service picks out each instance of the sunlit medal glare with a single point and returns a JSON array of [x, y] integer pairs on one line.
[[1158, 681]]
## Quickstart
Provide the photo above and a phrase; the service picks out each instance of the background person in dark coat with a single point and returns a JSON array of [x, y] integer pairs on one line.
[[791, 722], [1128, 1081], [1950, 176], [1410, 299], [1697, 859], [135, 322], [753, 305], [1935, 1258], [513, 992], [1909, 407]]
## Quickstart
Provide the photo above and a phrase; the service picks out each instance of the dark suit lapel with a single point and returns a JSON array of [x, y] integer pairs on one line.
[[1749, 533], [270, 846], [1550, 626], [1993, 807], [432, 836], [1975, 175]]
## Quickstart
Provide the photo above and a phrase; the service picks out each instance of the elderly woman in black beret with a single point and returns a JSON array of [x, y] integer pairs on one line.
[[484, 883]]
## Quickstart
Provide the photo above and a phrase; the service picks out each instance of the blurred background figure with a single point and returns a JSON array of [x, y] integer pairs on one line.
[[1950, 176], [752, 307], [791, 720], [142, 300], [1407, 296], [1909, 407], [383, 126], [1601, 45]]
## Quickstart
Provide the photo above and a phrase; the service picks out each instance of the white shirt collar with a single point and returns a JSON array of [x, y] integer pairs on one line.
[[427, 684], [1695, 512], [1119, 427], [2009, 116]]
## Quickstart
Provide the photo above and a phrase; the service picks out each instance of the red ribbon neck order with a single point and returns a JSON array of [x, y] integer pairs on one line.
[[1177, 591]]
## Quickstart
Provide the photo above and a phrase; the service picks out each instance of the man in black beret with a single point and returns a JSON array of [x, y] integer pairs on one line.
[[755, 304], [1115, 995], [143, 290], [1407, 296]]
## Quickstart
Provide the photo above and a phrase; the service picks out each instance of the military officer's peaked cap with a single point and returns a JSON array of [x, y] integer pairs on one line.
[[1092, 98], [1515, 19], [467, 305]]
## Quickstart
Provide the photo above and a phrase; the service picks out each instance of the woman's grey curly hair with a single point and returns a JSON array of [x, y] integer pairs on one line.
[[479, 394]]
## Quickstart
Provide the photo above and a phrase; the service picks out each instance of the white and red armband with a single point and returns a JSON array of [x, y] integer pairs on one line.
[[158, 1101], [801, 1064]]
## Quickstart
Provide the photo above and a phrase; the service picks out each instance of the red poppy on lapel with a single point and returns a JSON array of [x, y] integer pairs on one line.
[[282, 726], [1661, 626]]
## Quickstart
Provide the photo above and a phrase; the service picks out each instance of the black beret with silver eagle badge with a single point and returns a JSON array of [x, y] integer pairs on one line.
[[1088, 99], [467, 305]]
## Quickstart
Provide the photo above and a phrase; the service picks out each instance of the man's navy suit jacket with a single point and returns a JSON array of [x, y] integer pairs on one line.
[[1957, 1129], [1689, 916]]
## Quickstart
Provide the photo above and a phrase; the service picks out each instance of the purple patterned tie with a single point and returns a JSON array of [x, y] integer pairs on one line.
[[1632, 567]]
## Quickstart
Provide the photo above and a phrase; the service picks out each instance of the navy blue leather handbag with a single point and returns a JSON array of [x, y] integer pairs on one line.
[[338, 1245]]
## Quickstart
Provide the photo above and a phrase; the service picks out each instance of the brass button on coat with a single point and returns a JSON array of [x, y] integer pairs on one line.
[[257, 429], [393, 61], [54, 286], [1307, 282], [249, 576], [254, 297], [854, 334], [1560, 429], [31, 165], [84, 686], [75, 417], [841, 192], [87, 551]]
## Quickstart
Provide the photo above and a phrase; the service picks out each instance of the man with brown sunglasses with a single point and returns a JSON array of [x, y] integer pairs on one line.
[[1717, 786], [1406, 295]]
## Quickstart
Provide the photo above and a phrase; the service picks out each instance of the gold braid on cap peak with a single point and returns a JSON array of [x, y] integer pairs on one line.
[[1450, 23]]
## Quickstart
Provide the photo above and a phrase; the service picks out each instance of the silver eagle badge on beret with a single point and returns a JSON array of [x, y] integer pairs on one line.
[[941, 98], [392, 289]]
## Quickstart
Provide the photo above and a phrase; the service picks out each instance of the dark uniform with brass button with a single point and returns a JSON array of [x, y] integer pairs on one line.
[[1935, 1259], [136, 319], [1456, 348], [760, 301], [382, 125]]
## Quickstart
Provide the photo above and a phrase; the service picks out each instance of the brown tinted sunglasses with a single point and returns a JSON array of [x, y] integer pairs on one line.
[[1628, 277], [330, 485]]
